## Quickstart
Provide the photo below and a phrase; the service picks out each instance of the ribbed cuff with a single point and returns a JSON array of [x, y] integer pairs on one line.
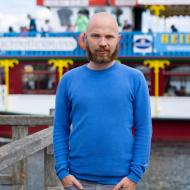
[[62, 174], [133, 177]]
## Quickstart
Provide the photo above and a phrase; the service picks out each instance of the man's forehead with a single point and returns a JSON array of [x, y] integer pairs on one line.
[[102, 32], [103, 21]]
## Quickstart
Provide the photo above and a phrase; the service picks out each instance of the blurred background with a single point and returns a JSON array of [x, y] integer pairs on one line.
[[40, 40]]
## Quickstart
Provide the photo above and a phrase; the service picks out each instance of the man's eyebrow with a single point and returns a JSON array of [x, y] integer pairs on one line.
[[98, 34], [94, 33], [110, 35]]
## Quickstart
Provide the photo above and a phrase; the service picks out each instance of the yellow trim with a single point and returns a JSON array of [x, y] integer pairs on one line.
[[60, 64], [156, 65], [157, 9], [6, 64]]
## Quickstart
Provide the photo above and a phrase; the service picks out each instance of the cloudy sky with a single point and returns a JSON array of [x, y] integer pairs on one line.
[[14, 13]]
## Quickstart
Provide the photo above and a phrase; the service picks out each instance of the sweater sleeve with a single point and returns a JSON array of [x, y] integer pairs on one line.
[[61, 130], [142, 130]]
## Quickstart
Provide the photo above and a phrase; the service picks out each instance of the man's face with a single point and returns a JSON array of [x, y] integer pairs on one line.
[[102, 42]]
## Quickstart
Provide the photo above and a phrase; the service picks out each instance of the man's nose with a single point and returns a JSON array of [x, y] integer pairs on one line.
[[103, 42]]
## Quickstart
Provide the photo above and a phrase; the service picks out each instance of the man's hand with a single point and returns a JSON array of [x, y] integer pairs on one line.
[[71, 180], [125, 184]]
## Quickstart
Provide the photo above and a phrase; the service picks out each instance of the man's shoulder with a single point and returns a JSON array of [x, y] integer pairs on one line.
[[73, 72], [71, 75], [130, 70]]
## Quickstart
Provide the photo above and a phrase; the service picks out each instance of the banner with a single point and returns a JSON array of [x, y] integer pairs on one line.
[[38, 44]]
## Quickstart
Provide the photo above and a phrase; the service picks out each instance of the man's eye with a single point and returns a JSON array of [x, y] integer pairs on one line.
[[109, 37], [95, 36]]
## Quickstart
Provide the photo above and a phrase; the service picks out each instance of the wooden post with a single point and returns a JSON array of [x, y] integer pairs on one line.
[[19, 169], [36, 171], [50, 176]]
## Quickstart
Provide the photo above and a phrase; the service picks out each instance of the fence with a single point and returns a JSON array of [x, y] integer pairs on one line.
[[29, 158]]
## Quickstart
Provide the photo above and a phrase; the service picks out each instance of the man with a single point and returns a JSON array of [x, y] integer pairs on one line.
[[32, 24], [127, 27], [97, 105], [81, 22]]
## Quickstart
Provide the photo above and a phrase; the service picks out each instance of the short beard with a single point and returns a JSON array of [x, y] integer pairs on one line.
[[101, 60]]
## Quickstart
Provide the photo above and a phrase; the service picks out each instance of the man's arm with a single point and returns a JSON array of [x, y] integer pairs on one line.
[[61, 134], [143, 130], [61, 130]]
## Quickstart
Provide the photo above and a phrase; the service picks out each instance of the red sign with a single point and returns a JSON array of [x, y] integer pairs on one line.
[[40, 2], [102, 2]]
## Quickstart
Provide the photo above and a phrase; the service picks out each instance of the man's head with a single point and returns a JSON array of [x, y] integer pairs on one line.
[[102, 38], [29, 16]]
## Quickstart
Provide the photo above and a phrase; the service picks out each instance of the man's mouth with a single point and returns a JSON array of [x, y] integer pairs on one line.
[[102, 51]]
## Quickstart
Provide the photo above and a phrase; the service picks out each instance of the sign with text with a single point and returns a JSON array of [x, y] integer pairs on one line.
[[38, 44], [172, 42]]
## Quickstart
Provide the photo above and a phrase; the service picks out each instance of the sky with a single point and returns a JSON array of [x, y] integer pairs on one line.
[[14, 13], [163, 24]]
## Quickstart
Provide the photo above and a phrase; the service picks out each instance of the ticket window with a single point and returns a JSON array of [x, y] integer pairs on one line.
[[39, 79]]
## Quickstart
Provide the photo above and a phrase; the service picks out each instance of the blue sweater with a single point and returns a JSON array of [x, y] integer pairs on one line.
[[94, 116]]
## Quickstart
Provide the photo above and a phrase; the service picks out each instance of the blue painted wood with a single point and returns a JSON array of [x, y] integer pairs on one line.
[[178, 45]]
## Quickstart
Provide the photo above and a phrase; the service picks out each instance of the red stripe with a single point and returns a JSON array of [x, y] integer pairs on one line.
[[101, 2], [40, 2]]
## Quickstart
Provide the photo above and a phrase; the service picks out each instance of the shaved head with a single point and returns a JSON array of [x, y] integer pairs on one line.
[[103, 19]]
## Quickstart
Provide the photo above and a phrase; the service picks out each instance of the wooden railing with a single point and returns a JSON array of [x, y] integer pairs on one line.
[[29, 158]]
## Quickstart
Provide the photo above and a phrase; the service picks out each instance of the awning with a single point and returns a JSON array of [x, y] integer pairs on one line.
[[173, 10], [163, 2], [85, 3]]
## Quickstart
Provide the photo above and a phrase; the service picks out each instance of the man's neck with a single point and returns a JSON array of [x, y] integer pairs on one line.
[[98, 66]]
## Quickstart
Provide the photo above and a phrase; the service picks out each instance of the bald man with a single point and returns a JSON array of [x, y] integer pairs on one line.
[[97, 105]]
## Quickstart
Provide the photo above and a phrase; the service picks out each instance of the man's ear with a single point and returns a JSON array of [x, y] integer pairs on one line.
[[119, 37], [82, 40], [84, 36]]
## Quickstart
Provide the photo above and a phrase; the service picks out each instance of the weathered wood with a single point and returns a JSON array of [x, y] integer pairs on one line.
[[19, 132], [36, 171], [5, 179], [25, 120], [51, 179], [18, 187], [6, 176], [33, 155], [50, 148], [20, 149], [19, 168], [3, 187]]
